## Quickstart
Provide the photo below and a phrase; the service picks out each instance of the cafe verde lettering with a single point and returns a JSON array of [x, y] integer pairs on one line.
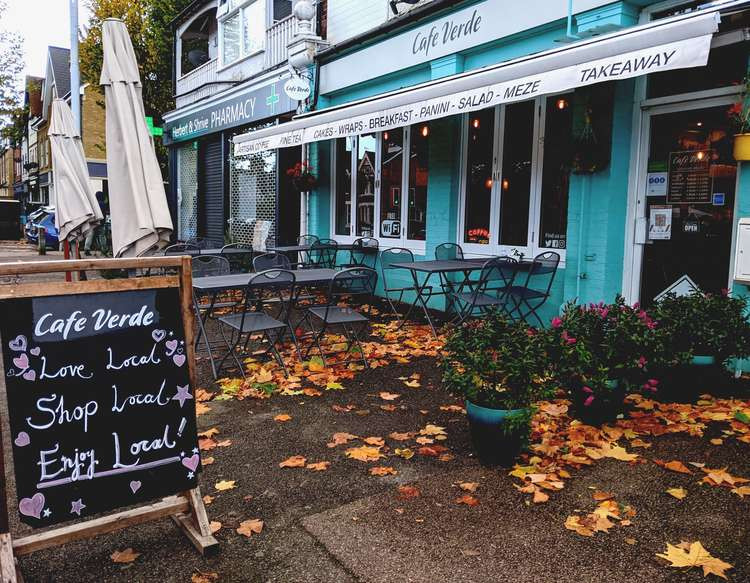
[[445, 34], [680, 54], [243, 108]]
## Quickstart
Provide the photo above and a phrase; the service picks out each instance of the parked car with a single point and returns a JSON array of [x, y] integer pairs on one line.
[[43, 217]]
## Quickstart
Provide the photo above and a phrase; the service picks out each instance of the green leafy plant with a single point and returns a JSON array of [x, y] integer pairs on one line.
[[703, 324], [738, 113], [496, 363], [600, 350]]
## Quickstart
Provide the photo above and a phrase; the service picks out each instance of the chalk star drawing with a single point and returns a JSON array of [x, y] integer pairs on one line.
[[47, 513], [76, 506], [190, 475], [182, 394], [195, 450]]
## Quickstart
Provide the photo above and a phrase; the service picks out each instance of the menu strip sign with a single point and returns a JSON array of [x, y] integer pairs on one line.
[[689, 177]]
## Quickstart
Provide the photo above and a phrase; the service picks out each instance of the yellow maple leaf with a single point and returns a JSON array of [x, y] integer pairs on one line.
[[250, 527], [225, 485], [678, 493], [469, 486], [405, 453], [126, 556], [334, 386], [318, 466], [741, 491], [388, 396], [687, 555], [412, 384], [430, 429], [574, 523], [364, 453], [296, 461], [382, 471]]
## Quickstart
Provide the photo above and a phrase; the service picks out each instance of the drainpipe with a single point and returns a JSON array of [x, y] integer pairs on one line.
[[304, 198], [579, 275]]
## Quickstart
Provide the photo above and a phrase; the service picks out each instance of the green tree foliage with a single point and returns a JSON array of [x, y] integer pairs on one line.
[[11, 95]]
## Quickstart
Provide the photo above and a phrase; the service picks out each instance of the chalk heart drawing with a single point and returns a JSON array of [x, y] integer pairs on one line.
[[158, 335], [172, 346], [18, 343], [135, 485], [29, 375], [35, 351], [179, 359], [32, 506], [22, 361], [191, 463], [22, 439]]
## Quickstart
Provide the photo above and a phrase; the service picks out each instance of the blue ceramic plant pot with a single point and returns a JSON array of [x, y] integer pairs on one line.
[[493, 443], [702, 360]]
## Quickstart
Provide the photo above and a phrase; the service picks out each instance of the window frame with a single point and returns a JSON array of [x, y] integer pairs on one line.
[[238, 9], [417, 246], [494, 247]]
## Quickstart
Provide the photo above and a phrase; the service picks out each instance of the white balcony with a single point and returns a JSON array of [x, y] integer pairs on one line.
[[198, 84]]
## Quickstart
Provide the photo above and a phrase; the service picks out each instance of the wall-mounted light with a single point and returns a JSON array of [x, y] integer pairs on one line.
[[386, 136], [700, 155], [425, 131], [506, 184], [699, 124], [562, 104], [488, 183], [475, 123]]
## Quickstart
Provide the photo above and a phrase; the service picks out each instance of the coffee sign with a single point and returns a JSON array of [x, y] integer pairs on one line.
[[102, 414]]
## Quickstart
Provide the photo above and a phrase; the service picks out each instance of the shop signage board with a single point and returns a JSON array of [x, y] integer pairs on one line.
[[689, 177], [99, 381], [244, 107], [297, 88], [683, 286], [660, 223], [676, 55]]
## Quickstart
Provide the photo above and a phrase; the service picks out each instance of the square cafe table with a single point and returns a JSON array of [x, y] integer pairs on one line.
[[441, 267], [213, 285]]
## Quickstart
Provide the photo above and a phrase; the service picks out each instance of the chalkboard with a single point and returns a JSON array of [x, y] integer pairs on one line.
[[689, 177], [102, 413]]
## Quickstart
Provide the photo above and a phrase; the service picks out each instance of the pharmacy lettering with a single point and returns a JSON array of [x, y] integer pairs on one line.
[[102, 413]]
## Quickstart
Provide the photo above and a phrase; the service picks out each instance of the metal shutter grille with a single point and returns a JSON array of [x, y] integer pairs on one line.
[[212, 193], [188, 191]]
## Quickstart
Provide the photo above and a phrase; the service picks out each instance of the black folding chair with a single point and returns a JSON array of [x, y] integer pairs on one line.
[[304, 256], [182, 249], [240, 256], [364, 253], [271, 261], [490, 291], [346, 286], [322, 254], [204, 243], [253, 321], [527, 300], [387, 258], [209, 266]]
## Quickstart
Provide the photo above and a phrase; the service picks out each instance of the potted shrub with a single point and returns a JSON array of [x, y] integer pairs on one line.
[[600, 352], [739, 118], [702, 331], [302, 177], [498, 367]]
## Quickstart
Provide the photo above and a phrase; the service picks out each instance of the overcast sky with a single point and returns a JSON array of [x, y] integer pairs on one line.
[[42, 23]]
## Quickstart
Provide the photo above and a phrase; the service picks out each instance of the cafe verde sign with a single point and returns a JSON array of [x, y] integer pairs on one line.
[[252, 104], [469, 27]]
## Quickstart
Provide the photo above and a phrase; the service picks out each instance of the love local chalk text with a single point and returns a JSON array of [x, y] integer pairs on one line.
[[101, 409]]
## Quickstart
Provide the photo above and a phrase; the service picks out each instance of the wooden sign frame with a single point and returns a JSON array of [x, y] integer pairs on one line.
[[186, 509]]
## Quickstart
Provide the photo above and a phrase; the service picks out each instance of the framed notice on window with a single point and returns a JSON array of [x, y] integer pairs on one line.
[[689, 177]]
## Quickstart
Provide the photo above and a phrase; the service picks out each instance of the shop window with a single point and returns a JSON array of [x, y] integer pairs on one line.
[[553, 220], [478, 194], [391, 181], [365, 185], [281, 9], [242, 31], [343, 182], [418, 178], [515, 178]]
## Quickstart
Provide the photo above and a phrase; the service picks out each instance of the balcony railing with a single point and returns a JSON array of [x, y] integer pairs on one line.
[[203, 81]]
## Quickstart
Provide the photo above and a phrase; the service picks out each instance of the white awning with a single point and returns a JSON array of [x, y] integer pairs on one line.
[[672, 43]]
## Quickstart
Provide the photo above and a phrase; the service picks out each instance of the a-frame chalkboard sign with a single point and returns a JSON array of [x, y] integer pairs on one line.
[[99, 377]]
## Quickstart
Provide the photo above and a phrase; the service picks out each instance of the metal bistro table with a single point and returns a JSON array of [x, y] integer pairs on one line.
[[214, 285], [442, 268]]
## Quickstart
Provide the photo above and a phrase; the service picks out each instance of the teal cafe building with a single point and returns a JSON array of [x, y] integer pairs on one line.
[[602, 134]]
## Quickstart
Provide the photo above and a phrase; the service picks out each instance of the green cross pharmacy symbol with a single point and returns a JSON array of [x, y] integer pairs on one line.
[[272, 99]]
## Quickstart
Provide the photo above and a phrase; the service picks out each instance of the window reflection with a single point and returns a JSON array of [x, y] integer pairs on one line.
[[418, 179], [479, 177], [366, 185], [391, 174], [343, 185], [515, 181]]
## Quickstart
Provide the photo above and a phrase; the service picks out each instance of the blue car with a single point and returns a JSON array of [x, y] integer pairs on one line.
[[44, 217]]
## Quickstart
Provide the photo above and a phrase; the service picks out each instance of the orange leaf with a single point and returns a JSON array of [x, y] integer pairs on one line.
[[208, 432], [406, 492], [469, 486], [250, 527], [282, 417], [382, 471], [215, 526], [601, 496], [126, 556], [225, 485], [374, 441], [364, 453], [389, 396], [318, 466], [296, 461], [467, 499], [677, 466], [400, 436], [341, 439]]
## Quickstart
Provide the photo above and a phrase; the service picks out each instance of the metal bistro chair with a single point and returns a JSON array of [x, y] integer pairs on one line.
[[491, 290], [364, 253], [347, 284], [252, 320], [240, 256], [527, 300], [209, 266], [448, 252], [271, 261], [304, 256], [322, 254], [387, 258], [182, 249], [204, 243]]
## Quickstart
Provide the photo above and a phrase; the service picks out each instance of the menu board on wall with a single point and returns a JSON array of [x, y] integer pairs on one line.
[[689, 177]]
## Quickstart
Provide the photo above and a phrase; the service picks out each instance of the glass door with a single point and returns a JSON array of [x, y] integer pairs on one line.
[[690, 189]]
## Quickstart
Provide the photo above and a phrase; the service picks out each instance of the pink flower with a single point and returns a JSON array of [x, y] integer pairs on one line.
[[724, 291], [587, 390], [653, 382], [588, 401], [568, 339], [603, 312], [531, 332], [556, 322], [642, 362]]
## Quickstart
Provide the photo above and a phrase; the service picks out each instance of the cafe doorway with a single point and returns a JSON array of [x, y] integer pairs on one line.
[[688, 178]]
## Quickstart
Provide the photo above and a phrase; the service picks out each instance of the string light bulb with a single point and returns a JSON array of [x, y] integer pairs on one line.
[[386, 136], [700, 155], [562, 104], [506, 184], [425, 131], [475, 123], [488, 183]]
